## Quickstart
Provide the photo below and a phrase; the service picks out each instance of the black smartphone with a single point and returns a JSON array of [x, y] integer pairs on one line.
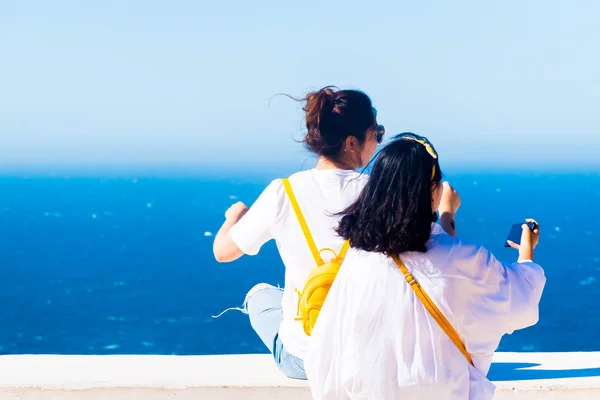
[[515, 233]]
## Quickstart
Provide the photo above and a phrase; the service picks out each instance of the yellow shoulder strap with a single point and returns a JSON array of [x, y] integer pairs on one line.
[[344, 250], [302, 221], [433, 310]]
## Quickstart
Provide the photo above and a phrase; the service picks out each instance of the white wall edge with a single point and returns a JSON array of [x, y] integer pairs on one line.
[[44, 377]]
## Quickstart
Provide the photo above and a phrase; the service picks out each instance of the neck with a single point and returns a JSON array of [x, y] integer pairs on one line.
[[325, 163]]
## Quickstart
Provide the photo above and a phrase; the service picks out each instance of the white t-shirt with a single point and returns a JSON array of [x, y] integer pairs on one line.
[[320, 194], [375, 340]]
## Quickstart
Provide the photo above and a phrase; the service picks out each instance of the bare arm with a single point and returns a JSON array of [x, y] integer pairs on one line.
[[449, 204], [529, 240], [224, 248], [448, 223]]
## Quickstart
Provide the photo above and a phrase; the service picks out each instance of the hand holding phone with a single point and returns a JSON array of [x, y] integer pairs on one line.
[[524, 237], [516, 231]]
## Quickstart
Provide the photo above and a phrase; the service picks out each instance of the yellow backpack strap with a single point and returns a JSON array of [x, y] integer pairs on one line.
[[344, 250], [433, 310], [309, 239]]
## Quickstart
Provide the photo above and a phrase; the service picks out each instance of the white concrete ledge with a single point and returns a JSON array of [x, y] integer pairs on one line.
[[553, 376]]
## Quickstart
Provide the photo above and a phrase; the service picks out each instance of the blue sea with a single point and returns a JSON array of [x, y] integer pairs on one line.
[[109, 265]]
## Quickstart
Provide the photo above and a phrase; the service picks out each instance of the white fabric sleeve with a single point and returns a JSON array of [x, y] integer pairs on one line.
[[255, 228], [512, 292], [436, 229]]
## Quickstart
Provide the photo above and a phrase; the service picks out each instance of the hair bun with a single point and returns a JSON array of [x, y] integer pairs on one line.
[[319, 105], [332, 115], [327, 99]]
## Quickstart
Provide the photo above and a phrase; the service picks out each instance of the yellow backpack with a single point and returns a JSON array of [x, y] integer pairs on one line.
[[320, 278]]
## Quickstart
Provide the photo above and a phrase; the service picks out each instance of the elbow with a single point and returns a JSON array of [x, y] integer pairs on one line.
[[225, 250], [528, 314], [533, 317], [219, 255], [220, 258], [222, 255], [530, 318], [217, 252]]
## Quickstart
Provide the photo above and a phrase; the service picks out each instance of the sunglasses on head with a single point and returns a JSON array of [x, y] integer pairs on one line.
[[425, 143]]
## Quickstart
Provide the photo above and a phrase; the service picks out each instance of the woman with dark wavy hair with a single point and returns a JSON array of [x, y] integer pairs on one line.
[[416, 313]]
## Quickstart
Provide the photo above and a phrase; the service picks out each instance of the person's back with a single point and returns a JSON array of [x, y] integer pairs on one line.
[[342, 130], [375, 339], [321, 195]]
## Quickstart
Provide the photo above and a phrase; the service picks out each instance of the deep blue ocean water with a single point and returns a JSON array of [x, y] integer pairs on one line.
[[124, 265]]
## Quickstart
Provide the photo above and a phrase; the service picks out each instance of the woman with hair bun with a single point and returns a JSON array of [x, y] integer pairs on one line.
[[342, 131]]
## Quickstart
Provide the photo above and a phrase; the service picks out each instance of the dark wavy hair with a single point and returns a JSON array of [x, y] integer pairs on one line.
[[393, 212]]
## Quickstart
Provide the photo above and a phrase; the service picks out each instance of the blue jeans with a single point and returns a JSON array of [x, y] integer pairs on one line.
[[263, 304]]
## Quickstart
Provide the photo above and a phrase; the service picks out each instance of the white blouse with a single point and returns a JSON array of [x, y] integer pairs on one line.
[[374, 339]]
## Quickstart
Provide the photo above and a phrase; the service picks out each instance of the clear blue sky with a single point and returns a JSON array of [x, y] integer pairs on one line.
[[189, 82]]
